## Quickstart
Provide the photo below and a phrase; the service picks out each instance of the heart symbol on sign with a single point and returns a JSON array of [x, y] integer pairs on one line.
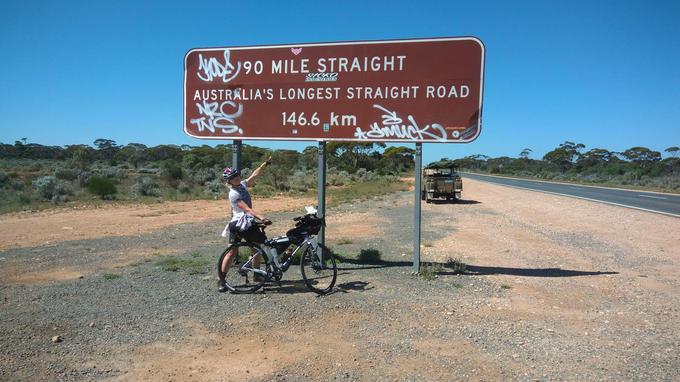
[[296, 51]]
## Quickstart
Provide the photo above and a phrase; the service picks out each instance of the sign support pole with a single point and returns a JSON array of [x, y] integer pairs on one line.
[[416, 210], [236, 155], [321, 189]]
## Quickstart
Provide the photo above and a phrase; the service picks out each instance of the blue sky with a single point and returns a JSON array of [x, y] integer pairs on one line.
[[602, 73]]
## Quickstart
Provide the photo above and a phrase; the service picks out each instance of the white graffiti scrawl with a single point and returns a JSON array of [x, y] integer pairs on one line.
[[393, 126], [215, 115], [210, 68]]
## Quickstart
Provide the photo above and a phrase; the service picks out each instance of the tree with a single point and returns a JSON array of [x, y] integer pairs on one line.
[[525, 153], [564, 155], [132, 153], [594, 157], [349, 154], [673, 151], [81, 157], [396, 159], [107, 148], [642, 156], [283, 162]]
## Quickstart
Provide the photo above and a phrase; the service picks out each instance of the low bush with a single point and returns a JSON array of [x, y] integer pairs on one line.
[[149, 170], [339, 179], [456, 265], [83, 178], [116, 173], [215, 188], [369, 256], [145, 186], [195, 264], [302, 181], [430, 272], [66, 174], [201, 176], [171, 170], [102, 187], [52, 189], [183, 188]]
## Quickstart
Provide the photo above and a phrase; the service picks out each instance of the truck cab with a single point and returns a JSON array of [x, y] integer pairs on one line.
[[443, 183]]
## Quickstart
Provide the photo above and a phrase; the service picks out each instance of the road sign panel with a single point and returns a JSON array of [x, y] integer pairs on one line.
[[424, 90]]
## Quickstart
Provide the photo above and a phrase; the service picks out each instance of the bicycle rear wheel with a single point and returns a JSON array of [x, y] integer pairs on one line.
[[242, 276], [319, 269]]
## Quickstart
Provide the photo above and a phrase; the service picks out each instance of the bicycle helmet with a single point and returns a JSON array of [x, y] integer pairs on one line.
[[230, 173]]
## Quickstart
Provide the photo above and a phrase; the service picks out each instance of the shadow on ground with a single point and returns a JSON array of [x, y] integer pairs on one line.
[[477, 270], [455, 201], [299, 286]]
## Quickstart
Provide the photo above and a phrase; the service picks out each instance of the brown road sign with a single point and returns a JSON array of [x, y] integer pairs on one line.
[[425, 90]]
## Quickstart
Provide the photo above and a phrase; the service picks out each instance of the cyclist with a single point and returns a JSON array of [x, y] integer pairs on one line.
[[241, 223]]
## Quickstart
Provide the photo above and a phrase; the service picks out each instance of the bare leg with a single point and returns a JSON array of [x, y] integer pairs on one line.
[[226, 263]]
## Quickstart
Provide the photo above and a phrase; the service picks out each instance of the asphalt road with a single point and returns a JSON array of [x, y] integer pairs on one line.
[[667, 204]]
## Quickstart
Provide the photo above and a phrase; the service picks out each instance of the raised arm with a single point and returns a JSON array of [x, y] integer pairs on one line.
[[258, 171]]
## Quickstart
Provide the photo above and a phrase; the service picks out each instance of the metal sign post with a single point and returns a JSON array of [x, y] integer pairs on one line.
[[236, 155], [416, 208], [321, 189]]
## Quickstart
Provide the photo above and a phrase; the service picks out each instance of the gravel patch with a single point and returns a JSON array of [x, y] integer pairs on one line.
[[381, 323]]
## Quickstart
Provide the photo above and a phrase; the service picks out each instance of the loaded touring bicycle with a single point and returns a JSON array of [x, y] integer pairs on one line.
[[317, 263]]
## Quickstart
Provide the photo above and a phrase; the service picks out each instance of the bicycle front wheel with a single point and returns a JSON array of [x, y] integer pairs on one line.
[[319, 269], [243, 274]]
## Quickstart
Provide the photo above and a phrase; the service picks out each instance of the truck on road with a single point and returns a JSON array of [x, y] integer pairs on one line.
[[441, 183]]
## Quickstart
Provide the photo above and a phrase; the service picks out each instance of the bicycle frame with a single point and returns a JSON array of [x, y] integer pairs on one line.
[[272, 257]]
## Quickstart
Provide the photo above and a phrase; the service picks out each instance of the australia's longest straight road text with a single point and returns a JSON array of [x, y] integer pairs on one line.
[[667, 204]]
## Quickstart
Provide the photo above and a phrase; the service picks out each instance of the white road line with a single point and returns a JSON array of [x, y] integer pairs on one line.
[[653, 197], [589, 199]]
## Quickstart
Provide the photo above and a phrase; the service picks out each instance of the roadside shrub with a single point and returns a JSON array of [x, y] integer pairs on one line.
[[246, 172], [364, 175], [264, 190], [202, 175], [149, 170], [24, 198], [214, 188], [301, 181], [102, 187], [113, 173], [52, 189], [66, 174], [183, 188], [83, 178], [195, 264], [369, 256], [339, 179], [430, 271], [145, 186], [3, 179], [171, 170], [456, 265], [17, 184]]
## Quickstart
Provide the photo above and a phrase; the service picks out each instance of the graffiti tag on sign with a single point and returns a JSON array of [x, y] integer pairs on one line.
[[426, 90]]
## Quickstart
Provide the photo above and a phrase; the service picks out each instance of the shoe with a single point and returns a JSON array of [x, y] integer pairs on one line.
[[222, 286]]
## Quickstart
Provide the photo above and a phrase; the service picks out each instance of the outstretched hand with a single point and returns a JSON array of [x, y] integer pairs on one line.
[[268, 161]]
